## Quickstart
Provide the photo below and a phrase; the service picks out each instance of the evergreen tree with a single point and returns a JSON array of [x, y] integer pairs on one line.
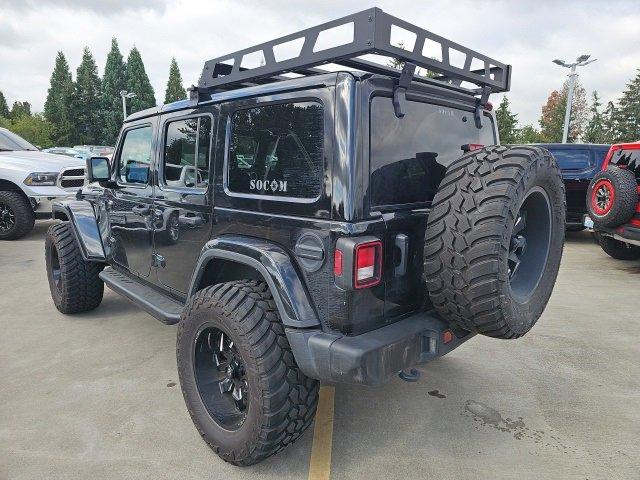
[[4, 108], [609, 123], [175, 90], [507, 122], [57, 108], [86, 102], [628, 118], [595, 133], [138, 83], [113, 82], [20, 109]]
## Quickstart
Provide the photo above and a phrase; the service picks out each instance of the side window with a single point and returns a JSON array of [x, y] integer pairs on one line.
[[277, 150], [135, 155], [186, 152]]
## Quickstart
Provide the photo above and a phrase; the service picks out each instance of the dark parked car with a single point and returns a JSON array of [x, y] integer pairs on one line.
[[579, 163], [339, 226], [613, 199]]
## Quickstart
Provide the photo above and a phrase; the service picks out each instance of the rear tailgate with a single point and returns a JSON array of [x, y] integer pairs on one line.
[[408, 159]]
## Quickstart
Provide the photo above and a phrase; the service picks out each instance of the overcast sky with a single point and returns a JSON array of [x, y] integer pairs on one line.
[[525, 34]]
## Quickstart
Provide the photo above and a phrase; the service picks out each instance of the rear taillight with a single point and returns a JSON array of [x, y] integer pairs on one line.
[[357, 262], [469, 147], [368, 264]]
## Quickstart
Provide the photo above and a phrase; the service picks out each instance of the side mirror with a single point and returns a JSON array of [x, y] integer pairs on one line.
[[98, 169]]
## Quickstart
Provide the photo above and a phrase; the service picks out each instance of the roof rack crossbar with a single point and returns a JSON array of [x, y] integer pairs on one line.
[[370, 33]]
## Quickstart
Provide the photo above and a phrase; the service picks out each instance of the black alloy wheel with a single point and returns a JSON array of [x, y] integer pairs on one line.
[[7, 218], [530, 243], [221, 378]]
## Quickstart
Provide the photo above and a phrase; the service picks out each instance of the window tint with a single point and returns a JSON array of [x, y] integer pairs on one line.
[[277, 150], [186, 152], [572, 159], [409, 156], [135, 155]]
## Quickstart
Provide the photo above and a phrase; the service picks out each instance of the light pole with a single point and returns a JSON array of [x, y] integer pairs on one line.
[[124, 95], [581, 61]]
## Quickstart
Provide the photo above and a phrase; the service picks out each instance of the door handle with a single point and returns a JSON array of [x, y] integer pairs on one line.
[[402, 244], [141, 209]]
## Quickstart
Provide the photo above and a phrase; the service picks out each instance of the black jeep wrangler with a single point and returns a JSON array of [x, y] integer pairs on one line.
[[304, 225]]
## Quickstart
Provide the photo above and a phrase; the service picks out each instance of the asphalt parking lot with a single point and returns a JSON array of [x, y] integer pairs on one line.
[[96, 395]]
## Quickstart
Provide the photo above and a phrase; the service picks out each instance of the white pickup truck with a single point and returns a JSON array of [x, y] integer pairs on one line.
[[29, 181]]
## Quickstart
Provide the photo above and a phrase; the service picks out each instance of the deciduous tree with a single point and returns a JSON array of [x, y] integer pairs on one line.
[[553, 113], [20, 109]]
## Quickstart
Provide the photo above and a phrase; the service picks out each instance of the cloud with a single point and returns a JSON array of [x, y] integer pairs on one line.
[[526, 34], [102, 7]]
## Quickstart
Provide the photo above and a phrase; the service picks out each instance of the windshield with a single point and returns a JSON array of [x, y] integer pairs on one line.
[[9, 141]]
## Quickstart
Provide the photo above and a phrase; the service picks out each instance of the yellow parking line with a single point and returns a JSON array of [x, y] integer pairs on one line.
[[320, 462]]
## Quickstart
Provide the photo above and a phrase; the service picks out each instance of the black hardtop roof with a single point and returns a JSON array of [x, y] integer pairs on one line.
[[372, 31], [296, 84]]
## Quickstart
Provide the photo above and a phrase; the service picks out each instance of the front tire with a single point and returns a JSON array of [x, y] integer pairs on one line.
[[494, 239], [617, 249], [16, 215], [74, 283], [243, 389]]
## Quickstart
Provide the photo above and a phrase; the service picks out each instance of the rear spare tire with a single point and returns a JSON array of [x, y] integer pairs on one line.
[[612, 197], [494, 239]]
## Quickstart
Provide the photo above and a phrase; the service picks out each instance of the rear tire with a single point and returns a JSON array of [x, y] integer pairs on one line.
[[612, 197], [16, 215], [237, 324], [74, 283], [494, 239], [617, 249]]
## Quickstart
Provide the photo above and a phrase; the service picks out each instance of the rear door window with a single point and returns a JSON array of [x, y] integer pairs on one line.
[[187, 151], [409, 156], [276, 150]]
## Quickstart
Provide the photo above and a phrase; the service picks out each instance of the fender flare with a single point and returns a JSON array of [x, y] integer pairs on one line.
[[276, 267], [84, 226]]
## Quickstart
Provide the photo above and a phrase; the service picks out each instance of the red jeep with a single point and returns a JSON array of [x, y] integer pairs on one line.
[[613, 202]]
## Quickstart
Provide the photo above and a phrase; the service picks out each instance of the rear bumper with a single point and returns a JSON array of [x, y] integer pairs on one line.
[[626, 233], [373, 357]]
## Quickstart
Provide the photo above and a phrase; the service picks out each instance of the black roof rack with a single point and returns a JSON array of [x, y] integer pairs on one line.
[[370, 32]]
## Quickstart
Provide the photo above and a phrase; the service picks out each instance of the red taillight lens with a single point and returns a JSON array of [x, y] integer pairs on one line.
[[337, 263], [368, 264], [468, 147]]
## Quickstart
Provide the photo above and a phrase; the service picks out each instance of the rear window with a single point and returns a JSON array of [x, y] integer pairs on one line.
[[409, 156], [572, 159], [276, 150], [629, 159]]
